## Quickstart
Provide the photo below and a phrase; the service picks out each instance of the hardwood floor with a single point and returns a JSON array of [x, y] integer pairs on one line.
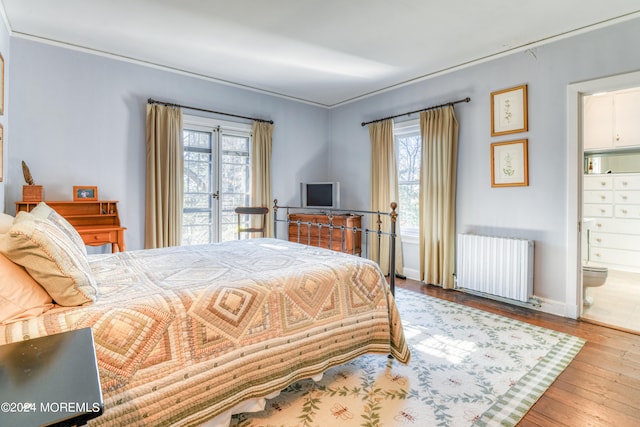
[[601, 386]]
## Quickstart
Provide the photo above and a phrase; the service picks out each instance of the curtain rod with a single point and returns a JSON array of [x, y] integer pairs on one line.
[[169, 104], [467, 99]]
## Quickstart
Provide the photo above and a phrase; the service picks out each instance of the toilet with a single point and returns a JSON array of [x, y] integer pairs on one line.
[[592, 277]]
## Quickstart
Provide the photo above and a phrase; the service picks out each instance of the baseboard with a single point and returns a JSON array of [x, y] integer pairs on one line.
[[549, 306], [412, 273]]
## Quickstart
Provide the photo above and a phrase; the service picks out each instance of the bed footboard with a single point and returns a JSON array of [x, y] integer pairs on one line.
[[357, 232]]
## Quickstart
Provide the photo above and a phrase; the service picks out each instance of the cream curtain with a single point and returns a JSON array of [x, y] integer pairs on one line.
[[439, 130], [261, 170], [384, 190], [165, 177]]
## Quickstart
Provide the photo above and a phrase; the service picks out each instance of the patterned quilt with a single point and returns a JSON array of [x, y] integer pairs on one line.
[[183, 334]]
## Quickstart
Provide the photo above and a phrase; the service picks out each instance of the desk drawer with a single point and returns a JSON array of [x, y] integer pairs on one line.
[[98, 238]]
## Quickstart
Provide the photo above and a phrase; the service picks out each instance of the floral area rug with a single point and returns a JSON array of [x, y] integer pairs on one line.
[[468, 368]]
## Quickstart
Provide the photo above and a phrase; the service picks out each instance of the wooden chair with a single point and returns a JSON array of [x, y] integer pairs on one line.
[[251, 211]]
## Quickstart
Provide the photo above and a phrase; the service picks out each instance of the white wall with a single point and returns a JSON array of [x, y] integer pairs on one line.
[[536, 212], [79, 119]]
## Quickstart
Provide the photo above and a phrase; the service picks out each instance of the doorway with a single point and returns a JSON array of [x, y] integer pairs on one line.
[[575, 225]]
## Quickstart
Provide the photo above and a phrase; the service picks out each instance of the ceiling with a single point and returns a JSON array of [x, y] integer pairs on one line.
[[324, 52]]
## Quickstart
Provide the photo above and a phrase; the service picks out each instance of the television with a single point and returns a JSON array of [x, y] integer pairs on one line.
[[321, 195]]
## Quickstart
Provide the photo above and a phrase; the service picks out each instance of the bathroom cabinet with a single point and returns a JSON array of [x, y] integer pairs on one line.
[[611, 120], [613, 202]]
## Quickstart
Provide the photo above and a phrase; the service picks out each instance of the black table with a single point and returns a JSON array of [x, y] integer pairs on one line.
[[50, 381]]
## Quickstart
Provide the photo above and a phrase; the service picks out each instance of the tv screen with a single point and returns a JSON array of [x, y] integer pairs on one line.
[[320, 195]]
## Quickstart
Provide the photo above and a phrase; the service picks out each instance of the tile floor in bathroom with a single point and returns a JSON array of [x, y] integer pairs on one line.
[[617, 302]]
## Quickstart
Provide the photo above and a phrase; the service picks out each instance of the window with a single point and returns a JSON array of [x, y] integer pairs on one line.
[[216, 178], [408, 158]]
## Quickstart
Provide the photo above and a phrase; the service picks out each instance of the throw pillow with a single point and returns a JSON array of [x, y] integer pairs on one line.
[[42, 210], [51, 258]]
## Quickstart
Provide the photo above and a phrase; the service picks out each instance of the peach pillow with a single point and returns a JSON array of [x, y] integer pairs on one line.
[[21, 297]]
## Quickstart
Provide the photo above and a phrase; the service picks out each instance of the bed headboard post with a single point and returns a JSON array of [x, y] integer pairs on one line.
[[275, 218], [392, 251]]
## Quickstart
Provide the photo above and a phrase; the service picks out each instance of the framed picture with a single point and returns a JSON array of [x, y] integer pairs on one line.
[[1, 85], [509, 111], [84, 192], [1, 153], [509, 166]]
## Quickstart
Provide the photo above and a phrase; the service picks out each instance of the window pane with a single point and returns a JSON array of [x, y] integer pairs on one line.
[[197, 200], [196, 139], [196, 227], [408, 153], [235, 143], [409, 158], [409, 210]]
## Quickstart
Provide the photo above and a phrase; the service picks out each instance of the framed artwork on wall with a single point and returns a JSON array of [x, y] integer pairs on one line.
[[1, 153], [1, 84], [509, 164], [85, 193], [509, 111]]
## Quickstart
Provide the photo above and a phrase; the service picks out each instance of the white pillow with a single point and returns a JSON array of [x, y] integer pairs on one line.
[[51, 258], [42, 210], [5, 222]]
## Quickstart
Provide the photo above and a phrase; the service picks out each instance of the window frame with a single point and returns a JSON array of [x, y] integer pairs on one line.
[[219, 128]]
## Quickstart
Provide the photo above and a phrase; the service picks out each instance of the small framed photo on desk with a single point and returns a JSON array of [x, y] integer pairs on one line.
[[84, 193]]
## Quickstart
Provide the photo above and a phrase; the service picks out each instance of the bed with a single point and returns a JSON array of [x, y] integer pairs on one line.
[[190, 335]]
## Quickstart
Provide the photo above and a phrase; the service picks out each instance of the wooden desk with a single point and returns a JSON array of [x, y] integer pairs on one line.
[[97, 222]]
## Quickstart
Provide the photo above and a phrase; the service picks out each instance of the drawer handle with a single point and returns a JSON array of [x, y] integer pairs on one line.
[[599, 240], [624, 211], [597, 254], [603, 197], [602, 210], [603, 183], [624, 197], [598, 225], [624, 182]]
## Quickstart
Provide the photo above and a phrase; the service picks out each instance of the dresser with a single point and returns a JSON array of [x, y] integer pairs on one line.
[[613, 202], [306, 229], [97, 222]]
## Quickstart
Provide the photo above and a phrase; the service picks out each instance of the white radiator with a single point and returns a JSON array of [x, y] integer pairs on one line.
[[495, 265]]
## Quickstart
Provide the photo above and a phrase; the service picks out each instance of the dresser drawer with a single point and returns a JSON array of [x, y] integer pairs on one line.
[[627, 182], [593, 196], [618, 225], [628, 197], [616, 257], [630, 242], [598, 182], [627, 211], [597, 210]]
